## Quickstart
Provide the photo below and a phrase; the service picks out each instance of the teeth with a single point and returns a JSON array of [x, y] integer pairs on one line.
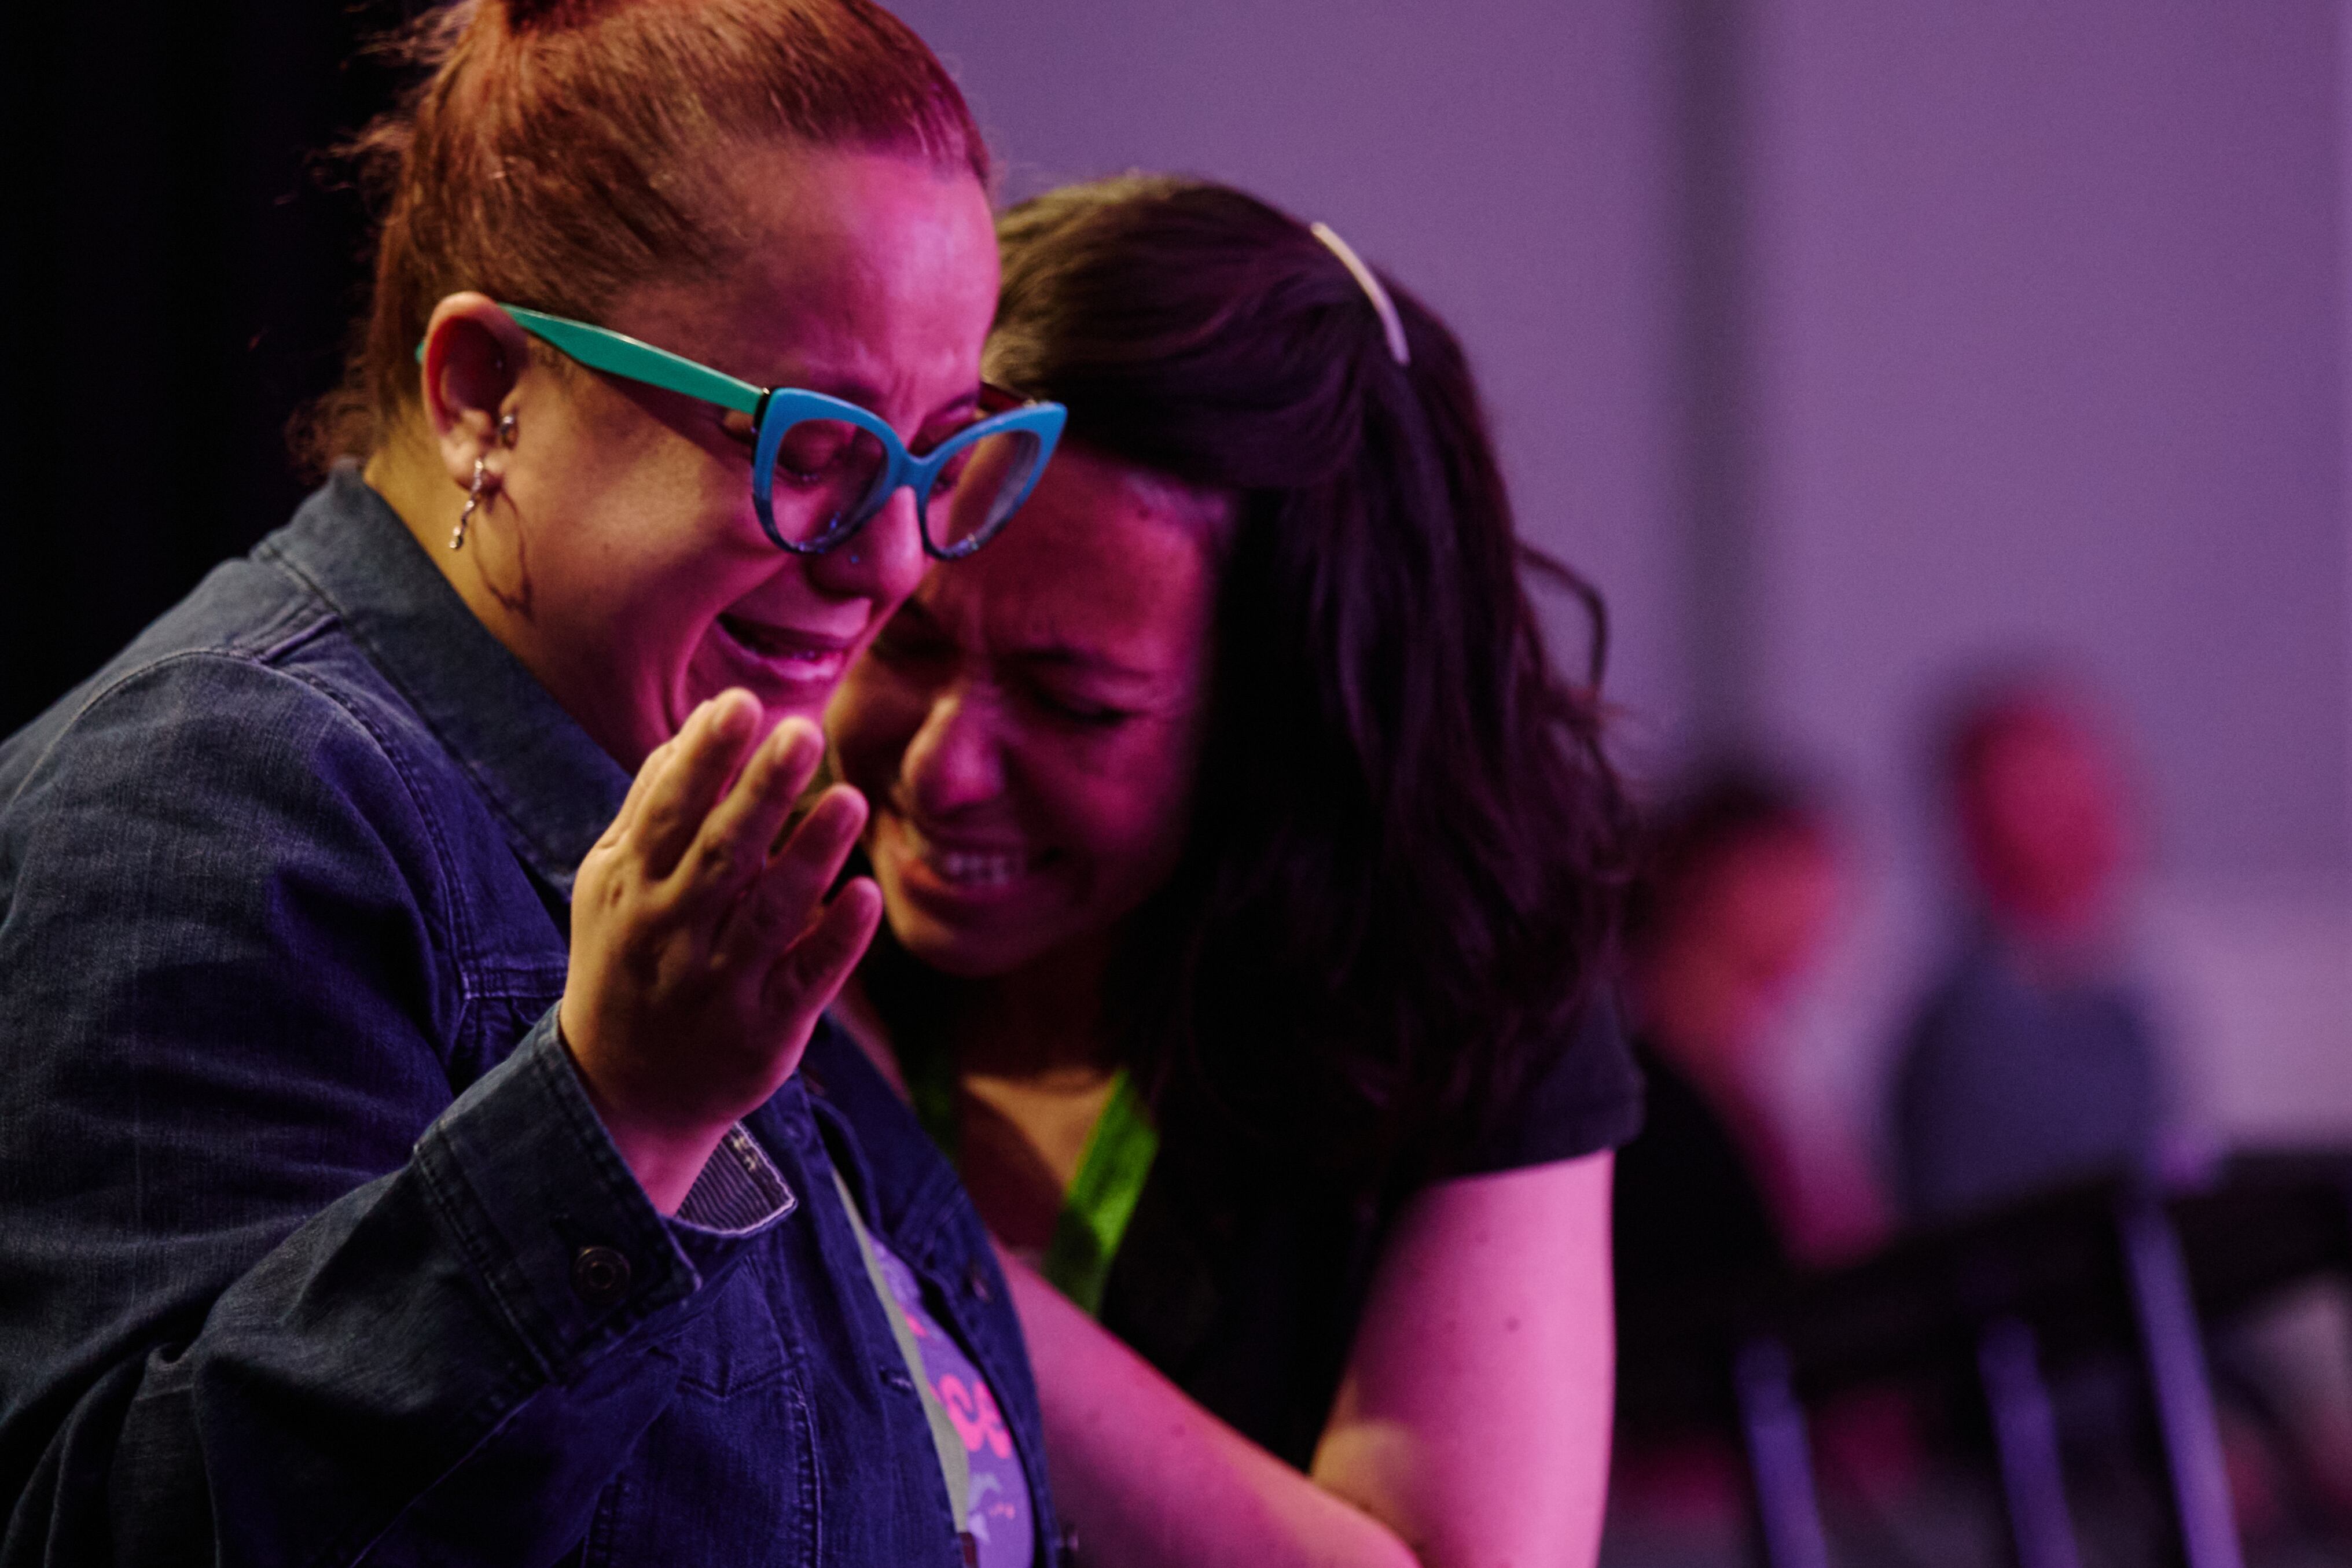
[[975, 871], [759, 641], [970, 867]]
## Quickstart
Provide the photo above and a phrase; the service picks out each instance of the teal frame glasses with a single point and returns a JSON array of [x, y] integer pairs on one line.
[[1012, 447]]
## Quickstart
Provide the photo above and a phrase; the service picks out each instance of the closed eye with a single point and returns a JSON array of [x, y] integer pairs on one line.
[[817, 449], [1079, 711]]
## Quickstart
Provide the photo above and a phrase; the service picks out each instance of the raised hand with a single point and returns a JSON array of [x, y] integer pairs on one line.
[[702, 947]]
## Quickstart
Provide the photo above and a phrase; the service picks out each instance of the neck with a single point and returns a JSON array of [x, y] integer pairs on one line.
[[490, 574], [2068, 932], [406, 472], [2059, 954], [1042, 1019]]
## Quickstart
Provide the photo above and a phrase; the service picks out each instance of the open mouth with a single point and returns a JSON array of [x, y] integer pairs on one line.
[[803, 655], [972, 868]]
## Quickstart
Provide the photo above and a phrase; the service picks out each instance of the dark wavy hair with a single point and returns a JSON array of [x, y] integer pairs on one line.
[[1409, 849]]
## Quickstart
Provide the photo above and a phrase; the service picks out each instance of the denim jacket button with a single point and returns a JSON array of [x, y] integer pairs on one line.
[[600, 1276]]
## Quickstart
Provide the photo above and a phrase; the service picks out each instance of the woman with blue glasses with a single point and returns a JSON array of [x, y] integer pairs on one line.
[[422, 1140]]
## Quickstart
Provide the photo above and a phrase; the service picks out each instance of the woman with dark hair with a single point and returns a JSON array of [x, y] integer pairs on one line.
[[1250, 879], [421, 1144]]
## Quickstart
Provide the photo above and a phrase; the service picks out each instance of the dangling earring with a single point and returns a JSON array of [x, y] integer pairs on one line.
[[473, 499], [481, 481]]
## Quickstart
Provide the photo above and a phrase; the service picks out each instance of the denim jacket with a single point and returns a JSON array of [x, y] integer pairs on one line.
[[312, 1250]]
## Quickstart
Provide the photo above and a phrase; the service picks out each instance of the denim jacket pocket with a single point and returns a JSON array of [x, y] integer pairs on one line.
[[739, 1428], [734, 1346]]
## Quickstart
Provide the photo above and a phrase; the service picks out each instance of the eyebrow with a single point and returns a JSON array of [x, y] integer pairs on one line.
[[868, 397], [1069, 656], [1051, 650]]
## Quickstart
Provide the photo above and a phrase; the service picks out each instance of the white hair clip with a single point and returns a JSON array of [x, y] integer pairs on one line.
[[1391, 327]]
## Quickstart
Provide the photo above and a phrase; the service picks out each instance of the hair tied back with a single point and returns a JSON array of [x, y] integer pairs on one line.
[[1392, 325]]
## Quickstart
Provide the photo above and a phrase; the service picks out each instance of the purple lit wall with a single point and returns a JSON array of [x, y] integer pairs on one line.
[[2051, 308], [1848, 345]]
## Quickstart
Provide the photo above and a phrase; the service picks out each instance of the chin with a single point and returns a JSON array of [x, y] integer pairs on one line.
[[967, 955]]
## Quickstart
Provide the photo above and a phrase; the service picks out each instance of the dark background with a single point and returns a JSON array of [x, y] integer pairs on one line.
[[182, 265]]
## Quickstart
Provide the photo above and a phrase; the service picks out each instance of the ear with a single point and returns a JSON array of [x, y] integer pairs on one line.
[[474, 356]]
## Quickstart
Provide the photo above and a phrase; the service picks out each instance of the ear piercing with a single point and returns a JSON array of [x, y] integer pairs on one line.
[[473, 499], [482, 484]]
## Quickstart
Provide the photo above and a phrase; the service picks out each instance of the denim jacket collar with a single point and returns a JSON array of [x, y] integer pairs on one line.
[[554, 788]]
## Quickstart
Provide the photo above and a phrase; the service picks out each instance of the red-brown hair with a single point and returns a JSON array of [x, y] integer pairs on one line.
[[557, 152]]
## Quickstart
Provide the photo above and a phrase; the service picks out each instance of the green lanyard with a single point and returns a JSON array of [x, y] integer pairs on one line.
[[1102, 1197]]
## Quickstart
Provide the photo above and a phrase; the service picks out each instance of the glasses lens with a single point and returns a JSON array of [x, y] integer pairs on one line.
[[979, 487], [826, 473]]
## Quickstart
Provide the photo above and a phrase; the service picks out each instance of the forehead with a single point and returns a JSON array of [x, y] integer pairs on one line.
[[864, 269], [1102, 558]]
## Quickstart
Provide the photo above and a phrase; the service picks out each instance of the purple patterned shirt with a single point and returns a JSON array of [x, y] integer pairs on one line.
[[999, 1518]]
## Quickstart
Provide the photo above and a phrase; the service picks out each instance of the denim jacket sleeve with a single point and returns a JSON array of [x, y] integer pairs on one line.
[[270, 1291]]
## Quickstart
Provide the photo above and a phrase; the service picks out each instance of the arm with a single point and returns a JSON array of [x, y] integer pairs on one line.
[[1472, 1425], [264, 1290], [267, 1294]]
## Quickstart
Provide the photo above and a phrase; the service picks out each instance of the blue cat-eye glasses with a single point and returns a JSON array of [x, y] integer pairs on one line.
[[836, 462]]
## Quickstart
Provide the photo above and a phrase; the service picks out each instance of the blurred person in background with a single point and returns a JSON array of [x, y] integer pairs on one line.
[[1742, 896], [2038, 1057], [2034, 1059], [1743, 892]]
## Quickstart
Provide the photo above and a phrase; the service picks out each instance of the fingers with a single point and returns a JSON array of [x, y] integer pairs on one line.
[[706, 753], [732, 847], [773, 913], [639, 787], [814, 969]]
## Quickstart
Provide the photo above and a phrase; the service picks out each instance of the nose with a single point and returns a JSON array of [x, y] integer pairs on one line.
[[882, 561], [955, 761]]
